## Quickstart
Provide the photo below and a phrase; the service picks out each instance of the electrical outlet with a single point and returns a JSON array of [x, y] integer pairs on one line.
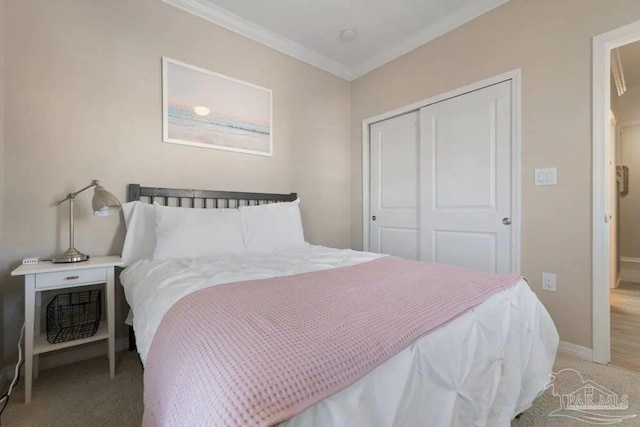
[[29, 261], [549, 282]]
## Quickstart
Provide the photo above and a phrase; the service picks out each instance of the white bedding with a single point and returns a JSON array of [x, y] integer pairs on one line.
[[482, 368]]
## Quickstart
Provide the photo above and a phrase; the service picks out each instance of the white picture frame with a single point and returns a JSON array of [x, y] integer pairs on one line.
[[201, 108]]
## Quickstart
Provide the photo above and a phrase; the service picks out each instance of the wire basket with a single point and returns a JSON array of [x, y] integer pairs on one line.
[[73, 316]]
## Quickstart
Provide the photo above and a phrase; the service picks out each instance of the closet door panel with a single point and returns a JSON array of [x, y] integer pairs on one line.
[[394, 198], [465, 180]]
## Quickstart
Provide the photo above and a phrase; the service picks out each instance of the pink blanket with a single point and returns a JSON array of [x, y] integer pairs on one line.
[[256, 353]]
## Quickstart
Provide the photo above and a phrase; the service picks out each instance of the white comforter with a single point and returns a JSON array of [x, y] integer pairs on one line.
[[482, 368]]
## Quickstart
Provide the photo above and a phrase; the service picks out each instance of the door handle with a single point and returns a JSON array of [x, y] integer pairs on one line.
[[373, 218], [506, 221]]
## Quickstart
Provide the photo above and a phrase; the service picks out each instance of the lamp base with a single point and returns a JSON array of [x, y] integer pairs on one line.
[[70, 255]]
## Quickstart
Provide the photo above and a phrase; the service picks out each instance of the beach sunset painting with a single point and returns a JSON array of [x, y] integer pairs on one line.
[[205, 109]]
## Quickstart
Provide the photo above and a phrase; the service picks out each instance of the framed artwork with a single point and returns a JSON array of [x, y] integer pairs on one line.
[[206, 109]]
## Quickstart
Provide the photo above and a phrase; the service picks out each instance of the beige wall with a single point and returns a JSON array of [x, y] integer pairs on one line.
[[83, 97], [630, 204], [551, 41], [626, 108]]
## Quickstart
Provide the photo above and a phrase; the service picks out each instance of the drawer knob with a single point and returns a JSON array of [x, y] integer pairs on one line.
[[71, 277]]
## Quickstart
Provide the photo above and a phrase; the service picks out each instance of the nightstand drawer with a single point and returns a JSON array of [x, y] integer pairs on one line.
[[70, 278]]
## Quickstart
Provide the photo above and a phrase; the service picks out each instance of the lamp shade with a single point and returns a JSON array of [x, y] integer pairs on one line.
[[104, 203]]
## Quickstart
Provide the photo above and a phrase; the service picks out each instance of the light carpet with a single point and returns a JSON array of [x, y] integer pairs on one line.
[[82, 394]]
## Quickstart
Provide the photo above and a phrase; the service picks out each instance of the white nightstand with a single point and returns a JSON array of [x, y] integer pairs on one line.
[[46, 276]]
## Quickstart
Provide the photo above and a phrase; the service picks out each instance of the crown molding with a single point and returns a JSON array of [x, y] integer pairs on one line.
[[219, 16], [237, 24], [427, 34]]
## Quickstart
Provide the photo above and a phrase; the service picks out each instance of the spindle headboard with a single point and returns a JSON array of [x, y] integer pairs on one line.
[[202, 198], [199, 199]]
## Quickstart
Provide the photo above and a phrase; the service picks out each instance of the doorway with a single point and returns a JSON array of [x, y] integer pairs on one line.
[[441, 178], [624, 138], [608, 185]]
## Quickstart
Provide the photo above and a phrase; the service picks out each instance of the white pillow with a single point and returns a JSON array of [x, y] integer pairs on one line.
[[272, 227], [192, 232], [140, 240]]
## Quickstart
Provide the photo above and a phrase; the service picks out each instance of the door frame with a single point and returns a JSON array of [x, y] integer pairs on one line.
[[601, 239], [516, 153]]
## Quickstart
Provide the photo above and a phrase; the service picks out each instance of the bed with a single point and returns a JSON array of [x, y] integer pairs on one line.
[[482, 366]]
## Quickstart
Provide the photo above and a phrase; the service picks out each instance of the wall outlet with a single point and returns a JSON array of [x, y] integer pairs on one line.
[[29, 261], [549, 282]]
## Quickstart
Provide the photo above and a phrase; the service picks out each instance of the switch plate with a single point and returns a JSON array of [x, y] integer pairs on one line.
[[546, 176], [549, 282]]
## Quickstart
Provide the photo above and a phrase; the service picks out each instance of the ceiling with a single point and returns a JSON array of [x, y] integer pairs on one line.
[[310, 30], [630, 58]]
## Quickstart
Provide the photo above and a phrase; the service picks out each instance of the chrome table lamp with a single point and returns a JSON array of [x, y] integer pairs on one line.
[[103, 203]]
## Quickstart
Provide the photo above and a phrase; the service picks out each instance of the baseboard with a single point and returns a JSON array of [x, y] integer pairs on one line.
[[577, 351], [66, 357], [630, 271], [630, 275]]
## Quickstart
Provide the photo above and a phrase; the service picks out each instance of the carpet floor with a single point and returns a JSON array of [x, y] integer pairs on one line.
[[82, 394]]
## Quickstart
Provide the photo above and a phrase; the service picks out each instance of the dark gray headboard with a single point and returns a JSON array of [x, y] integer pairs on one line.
[[203, 198]]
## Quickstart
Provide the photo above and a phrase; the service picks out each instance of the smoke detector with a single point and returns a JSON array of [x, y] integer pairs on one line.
[[348, 35]]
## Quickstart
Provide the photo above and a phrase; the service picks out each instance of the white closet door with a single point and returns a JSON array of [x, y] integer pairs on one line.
[[393, 226], [465, 157]]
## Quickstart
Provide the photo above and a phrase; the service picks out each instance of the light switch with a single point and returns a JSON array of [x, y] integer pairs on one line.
[[547, 176]]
